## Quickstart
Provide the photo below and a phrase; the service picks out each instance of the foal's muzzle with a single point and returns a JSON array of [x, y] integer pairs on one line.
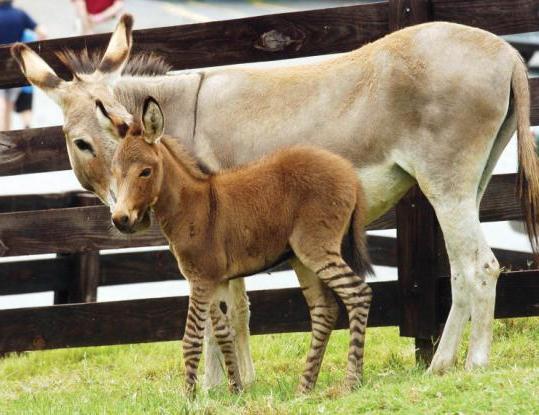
[[131, 224]]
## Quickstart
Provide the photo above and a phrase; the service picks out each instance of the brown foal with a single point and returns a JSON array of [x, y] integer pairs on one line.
[[302, 202]]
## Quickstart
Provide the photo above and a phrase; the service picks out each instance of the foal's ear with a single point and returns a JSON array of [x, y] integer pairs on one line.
[[114, 126], [152, 120], [38, 72], [117, 53]]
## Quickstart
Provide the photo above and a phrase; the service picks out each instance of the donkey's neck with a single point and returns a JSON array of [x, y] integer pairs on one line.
[[184, 200], [177, 95]]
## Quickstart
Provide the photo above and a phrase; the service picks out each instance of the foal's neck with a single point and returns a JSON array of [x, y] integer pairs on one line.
[[185, 191]]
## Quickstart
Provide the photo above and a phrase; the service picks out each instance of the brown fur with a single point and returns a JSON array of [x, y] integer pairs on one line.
[[237, 222]]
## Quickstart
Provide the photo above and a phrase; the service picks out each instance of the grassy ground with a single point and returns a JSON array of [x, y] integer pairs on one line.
[[146, 379]]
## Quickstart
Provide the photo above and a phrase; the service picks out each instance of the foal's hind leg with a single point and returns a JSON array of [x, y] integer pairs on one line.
[[351, 288], [324, 311]]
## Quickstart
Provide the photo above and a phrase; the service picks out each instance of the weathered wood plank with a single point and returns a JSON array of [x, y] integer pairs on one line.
[[502, 17], [160, 319], [404, 13], [274, 311], [153, 266], [34, 276], [21, 203], [32, 151], [251, 39], [67, 231]]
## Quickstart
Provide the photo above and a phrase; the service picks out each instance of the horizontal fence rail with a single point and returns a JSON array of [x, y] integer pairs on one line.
[[274, 311], [55, 274]]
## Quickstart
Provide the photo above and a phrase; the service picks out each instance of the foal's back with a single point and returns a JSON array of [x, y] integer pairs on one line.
[[260, 204]]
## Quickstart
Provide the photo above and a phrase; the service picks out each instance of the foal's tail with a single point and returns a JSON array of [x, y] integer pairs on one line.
[[354, 246], [528, 167]]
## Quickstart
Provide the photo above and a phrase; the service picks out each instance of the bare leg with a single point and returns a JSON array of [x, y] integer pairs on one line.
[[6, 107], [225, 339], [324, 313]]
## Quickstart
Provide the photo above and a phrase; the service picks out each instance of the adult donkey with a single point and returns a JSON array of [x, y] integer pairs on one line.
[[434, 104]]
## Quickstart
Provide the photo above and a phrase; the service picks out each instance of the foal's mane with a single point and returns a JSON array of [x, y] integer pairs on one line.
[[141, 64], [182, 156]]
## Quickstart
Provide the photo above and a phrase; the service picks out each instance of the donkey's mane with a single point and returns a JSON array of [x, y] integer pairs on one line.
[[141, 64], [182, 156]]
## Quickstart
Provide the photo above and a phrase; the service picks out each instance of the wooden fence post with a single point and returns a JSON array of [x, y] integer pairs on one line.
[[84, 269], [418, 233], [421, 256]]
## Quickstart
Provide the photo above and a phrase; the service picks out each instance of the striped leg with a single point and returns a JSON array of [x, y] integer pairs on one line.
[[356, 296], [324, 312], [225, 339], [197, 314]]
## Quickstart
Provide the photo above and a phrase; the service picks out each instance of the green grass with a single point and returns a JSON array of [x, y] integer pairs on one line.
[[147, 379]]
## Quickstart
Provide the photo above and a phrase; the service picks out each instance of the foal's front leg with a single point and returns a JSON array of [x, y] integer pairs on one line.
[[197, 314]]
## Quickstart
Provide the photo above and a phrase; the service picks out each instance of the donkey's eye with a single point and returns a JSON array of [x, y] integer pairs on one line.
[[147, 172], [83, 145]]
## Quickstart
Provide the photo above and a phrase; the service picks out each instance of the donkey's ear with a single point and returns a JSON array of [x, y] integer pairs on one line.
[[38, 72], [153, 120], [114, 126], [118, 50]]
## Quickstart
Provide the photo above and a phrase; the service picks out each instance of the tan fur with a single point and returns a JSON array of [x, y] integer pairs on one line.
[[237, 222]]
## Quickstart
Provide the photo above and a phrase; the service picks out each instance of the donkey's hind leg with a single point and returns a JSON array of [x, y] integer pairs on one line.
[[324, 311], [351, 288], [225, 339], [474, 273]]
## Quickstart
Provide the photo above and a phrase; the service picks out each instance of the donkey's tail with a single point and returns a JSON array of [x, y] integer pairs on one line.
[[354, 250], [528, 167]]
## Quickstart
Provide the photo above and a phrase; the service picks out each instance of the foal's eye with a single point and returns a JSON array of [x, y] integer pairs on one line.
[[84, 146], [145, 173]]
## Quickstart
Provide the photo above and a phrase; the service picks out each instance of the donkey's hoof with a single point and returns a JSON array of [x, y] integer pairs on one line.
[[440, 366]]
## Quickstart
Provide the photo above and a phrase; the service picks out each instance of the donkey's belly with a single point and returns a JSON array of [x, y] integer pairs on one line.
[[384, 185]]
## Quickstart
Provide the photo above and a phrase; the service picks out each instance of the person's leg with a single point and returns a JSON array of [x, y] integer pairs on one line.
[[6, 108]]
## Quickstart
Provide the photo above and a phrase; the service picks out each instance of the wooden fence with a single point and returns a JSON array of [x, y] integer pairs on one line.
[[75, 226]]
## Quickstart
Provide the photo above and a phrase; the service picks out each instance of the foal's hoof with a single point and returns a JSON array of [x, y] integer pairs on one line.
[[352, 383], [191, 391], [236, 387], [304, 388]]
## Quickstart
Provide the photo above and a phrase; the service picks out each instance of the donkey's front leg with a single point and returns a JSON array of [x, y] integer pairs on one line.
[[197, 314], [239, 318], [225, 339]]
